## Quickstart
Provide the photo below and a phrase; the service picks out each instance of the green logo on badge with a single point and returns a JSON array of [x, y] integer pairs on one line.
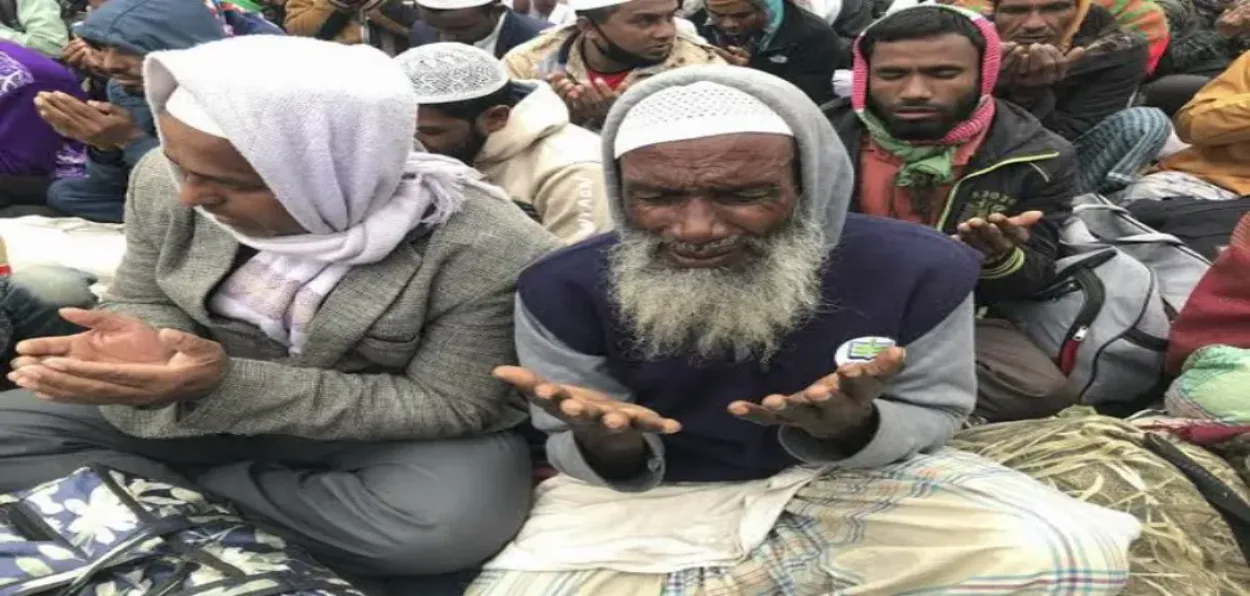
[[868, 348]]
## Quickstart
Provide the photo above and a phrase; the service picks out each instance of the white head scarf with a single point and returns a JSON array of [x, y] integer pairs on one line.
[[330, 130]]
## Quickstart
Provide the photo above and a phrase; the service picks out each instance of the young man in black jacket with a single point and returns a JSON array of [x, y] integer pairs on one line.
[[931, 145], [777, 37]]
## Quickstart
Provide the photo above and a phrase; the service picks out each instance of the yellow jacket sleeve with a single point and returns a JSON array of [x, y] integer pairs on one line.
[[305, 18], [1219, 114]]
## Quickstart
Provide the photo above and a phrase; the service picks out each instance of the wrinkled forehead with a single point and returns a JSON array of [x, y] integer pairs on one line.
[[736, 159]]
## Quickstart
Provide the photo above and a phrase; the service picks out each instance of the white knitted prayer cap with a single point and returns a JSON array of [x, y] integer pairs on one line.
[[695, 111], [186, 109], [580, 5], [447, 71], [452, 4]]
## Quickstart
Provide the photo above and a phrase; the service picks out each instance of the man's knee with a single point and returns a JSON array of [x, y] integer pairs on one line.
[[1064, 554], [1015, 379], [457, 520]]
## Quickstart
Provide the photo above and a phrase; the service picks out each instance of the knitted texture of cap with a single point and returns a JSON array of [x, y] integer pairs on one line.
[[449, 72], [695, 111]]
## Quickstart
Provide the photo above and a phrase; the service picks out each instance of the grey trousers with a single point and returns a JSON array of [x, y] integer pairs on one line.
[[366, 508]]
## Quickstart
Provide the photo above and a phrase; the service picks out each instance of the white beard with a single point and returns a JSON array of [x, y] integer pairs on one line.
[[742, 312]]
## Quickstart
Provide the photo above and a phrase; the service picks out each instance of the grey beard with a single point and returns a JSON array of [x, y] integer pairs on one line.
[[744, 312]]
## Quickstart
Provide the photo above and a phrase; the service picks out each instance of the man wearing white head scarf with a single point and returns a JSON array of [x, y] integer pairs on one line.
[[305, 320], [722, 386]]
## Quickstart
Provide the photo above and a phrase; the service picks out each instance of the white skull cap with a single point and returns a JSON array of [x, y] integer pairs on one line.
[[447, 72], [695, 111]]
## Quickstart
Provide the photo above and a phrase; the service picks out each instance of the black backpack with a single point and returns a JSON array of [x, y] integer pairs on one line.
[[1203, 225]]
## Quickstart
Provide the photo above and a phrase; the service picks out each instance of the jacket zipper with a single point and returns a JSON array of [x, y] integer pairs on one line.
[[950, 197], [1095, 295]]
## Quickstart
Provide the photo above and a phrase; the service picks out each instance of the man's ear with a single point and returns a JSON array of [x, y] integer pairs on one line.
[[586, 28], [494, 119]]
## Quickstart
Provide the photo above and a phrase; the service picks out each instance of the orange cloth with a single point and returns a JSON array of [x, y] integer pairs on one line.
[[1216, 122], [879, 196]]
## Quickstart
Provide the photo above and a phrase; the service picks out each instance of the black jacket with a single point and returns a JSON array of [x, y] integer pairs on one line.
[[1100, 84], [517, 29], [1019, 167], [805, 51]]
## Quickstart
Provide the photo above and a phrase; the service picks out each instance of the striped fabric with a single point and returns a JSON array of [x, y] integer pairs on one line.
[[950, 523], [1115, 152]]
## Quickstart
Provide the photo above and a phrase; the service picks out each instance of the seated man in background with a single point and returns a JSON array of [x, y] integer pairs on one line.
[[383, 24], [738, 325], [933, 146], [119, 132], [32, 153], [1071, 66], [614, 44], [487, 24], [777, 37], [35, 24], [517, 133], [305, 320], [1216, 124]]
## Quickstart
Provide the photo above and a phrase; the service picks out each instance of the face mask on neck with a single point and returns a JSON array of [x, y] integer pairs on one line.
[[610, 50]]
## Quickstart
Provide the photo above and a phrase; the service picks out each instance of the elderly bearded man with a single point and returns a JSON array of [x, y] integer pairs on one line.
[[724, 388]]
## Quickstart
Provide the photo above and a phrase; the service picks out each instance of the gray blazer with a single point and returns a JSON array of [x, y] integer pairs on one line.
[[401, 349]]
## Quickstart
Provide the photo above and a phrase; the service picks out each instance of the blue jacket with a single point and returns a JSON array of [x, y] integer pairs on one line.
[[140, 27], [517, 29]]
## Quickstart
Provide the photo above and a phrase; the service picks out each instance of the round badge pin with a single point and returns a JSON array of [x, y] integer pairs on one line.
[[861, 349]]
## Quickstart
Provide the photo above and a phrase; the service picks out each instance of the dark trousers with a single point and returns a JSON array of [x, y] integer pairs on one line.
[[1172, 92]]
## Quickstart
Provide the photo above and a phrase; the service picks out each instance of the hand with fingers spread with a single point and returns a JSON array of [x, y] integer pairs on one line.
[[1235, 20], [586, 411], [733, 55], [838, 407], [997, 236], [109, 337], [119, 360], [610, 432]]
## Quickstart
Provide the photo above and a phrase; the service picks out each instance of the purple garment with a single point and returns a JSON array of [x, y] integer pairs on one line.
[[28, 146]]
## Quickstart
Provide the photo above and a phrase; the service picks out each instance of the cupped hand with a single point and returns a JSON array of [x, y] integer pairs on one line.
[[834, 407], [585, 411]]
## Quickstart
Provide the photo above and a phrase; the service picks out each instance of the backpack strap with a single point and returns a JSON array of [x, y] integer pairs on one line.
[[332, 27], [1232, 507]]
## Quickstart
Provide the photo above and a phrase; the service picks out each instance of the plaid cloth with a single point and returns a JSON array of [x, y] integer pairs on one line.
[[1114, 153], [947, 523]]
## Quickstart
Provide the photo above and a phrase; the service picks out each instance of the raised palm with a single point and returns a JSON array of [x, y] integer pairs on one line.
[[109, 337]]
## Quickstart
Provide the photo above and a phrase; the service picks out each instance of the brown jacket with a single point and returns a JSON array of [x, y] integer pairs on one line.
[[557, 50], [305, 18]]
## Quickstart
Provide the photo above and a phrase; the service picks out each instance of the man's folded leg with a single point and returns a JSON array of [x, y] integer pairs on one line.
[[944, 523], [385, 508], [42, 441]]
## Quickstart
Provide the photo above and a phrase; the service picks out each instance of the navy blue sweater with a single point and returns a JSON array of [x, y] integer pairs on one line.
[[885, 278]]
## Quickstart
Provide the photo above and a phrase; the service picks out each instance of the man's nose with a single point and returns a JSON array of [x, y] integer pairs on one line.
[[698, 223]]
